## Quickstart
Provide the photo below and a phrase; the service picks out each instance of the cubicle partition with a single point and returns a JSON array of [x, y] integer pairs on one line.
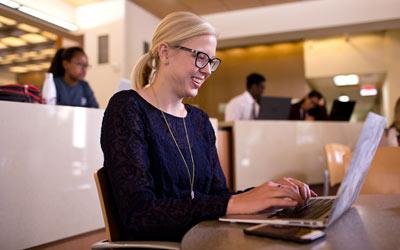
[[265, 150], [48, 155]]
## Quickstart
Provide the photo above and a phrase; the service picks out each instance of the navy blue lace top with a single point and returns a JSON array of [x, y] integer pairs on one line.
[[149, 179]]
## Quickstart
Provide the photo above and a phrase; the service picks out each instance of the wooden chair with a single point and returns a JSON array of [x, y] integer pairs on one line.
[[108, 208], [384, 174], [335, 160]]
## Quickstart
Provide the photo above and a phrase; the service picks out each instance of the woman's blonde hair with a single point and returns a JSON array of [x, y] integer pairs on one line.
[[174, 29]]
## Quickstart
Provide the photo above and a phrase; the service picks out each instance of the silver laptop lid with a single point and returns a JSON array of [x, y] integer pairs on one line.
[[363, 154]]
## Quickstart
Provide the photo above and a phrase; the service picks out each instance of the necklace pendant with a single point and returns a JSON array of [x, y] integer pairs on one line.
[[192, 194]]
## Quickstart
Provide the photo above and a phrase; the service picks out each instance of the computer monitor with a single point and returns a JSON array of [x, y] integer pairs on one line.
[[341, 111], [274, 108]]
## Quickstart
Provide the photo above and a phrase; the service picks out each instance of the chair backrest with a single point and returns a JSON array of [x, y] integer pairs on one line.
[[384, 174], [335, 161], [108, 206]]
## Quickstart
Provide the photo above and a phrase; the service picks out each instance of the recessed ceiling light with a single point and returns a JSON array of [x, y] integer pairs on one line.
[[45, 65], [48, 52], [49, 35], [34, 38], [344, 98], [7, 21], [346, 80], [28, 28], [13, 41], [22, 59], [33, 67], [18, 69], [2, 46], [12, 56], [29, 54], [39, 57]]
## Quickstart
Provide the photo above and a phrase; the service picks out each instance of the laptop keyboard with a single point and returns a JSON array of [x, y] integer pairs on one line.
[[313, 209]]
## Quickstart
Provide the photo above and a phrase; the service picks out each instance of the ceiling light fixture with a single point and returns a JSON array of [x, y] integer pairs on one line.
[[18, 69], [346, 80], [7, 21], [40, 15], [13, 41], [33, 38], [10, 4], [344, 98], [28, 28]]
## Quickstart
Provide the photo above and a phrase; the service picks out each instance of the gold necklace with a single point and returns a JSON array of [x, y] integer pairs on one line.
[[191, 176]]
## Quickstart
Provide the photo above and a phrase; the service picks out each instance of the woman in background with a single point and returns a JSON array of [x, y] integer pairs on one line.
[[160, 154], [69, 70]]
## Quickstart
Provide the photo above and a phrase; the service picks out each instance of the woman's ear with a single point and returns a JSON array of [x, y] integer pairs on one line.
[[163, 51]]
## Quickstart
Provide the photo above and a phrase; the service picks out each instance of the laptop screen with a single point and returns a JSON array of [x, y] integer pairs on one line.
[[341, 111], [274, 108], [363, 154]]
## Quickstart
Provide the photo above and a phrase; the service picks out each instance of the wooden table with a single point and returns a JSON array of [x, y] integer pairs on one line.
[[372, 223]]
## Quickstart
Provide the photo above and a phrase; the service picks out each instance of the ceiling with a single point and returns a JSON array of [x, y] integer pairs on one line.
[[78, 3], [161, 8]]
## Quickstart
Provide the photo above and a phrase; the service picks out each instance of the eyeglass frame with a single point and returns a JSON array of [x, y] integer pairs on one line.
[[196, 53], [81, 65]]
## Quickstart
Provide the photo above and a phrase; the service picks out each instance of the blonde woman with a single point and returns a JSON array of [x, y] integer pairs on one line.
[[160, 154]]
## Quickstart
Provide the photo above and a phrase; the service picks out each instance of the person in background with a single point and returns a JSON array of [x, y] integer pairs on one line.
[[310, 108], [69, 70], [319, 112], [393, 132], [246, 106], [160, 154]]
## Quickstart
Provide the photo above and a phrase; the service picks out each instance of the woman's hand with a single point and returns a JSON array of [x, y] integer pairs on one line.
[[303, 189], [285, 192]]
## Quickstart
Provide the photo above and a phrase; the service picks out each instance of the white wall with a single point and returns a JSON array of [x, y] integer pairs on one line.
[[104, 18], [140, 26]]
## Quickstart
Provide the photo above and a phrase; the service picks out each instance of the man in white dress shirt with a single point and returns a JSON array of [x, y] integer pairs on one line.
[[246, 105]]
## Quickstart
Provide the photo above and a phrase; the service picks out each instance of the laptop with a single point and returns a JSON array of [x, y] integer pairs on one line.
[[274, 108], [341, 111], [124, 84], [322, 211]]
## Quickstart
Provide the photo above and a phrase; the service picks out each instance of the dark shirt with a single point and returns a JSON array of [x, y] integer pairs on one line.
[[296, 113], [80, 95], [149, 179]]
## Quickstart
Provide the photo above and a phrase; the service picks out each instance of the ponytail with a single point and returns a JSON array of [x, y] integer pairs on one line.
[[142, 71], [56, 66]]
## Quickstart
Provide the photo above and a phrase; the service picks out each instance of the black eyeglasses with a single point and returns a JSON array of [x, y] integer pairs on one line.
[[202, 59]]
